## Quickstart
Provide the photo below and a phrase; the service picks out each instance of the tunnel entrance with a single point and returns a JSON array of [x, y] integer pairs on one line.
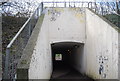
[[67, 60]]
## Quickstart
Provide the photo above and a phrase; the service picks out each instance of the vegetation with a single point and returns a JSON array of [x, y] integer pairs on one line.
[[19, 8], [10, 26], [115, 19]]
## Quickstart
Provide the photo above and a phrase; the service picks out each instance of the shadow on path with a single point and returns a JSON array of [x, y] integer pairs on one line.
[[66, 73]]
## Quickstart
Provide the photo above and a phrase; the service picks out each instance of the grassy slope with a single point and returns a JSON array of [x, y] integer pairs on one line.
[[10, 26], [114, 19]]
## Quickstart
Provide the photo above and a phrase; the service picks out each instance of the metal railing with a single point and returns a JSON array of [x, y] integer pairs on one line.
[[67, 4], [16, 46], [106, 9]]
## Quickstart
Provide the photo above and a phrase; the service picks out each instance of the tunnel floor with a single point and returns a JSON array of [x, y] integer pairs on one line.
[[65, 72], [65, 56]]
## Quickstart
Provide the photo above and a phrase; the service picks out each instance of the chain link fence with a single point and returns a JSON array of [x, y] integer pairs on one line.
[[16, 46]]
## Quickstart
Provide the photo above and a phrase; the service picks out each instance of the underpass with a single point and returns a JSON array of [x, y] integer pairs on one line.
[[71, 43], [65, 59], [68, 40]]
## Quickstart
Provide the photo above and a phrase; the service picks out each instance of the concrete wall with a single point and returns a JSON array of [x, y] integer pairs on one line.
[[41, 65], [98, 58], [36, 59], [101, 47], [68, 26], [77, 58]]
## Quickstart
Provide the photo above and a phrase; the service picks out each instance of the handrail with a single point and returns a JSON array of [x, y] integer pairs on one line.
[[109, 12], [21, 29], [14, 49], [67, 2], [110, 8], [101, 8], [28, 24], [93, 3]]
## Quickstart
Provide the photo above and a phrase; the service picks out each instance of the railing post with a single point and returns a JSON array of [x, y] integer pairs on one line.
[[102, 10], [55, 4], [65, 4], [88, 4], [95, 7], [38, 12], [6, 70], [41, 6], [69, 3], [74, 4], [91, 5], [29, 28], [117, 7]]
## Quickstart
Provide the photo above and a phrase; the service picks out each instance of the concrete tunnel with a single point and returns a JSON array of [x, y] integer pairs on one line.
[[69, 37], [66, 57]]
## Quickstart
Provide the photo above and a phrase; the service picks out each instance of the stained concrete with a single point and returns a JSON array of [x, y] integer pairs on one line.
[[102, 46], [68, 25], [99, 55], [24, 64]]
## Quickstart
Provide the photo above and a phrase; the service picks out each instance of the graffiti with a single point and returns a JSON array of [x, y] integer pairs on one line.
[[55, 14], [101, 69], [103, 66]]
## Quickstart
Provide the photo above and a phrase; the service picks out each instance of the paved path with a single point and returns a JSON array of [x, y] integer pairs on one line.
[[67, 73]]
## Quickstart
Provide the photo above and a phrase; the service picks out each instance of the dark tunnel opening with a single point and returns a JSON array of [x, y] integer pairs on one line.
[[67, 60]]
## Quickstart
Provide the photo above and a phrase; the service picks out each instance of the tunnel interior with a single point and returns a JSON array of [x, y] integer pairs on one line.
[[67, 59]]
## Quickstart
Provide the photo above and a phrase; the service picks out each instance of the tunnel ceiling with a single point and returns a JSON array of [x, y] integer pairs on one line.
[[65, 45]]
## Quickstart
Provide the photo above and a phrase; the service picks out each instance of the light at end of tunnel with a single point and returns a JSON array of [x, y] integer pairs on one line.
[[58, 57]]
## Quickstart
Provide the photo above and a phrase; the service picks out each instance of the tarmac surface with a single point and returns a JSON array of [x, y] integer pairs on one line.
[[67, 73]]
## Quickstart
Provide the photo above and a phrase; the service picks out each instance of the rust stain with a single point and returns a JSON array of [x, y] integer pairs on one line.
[[80, 16]]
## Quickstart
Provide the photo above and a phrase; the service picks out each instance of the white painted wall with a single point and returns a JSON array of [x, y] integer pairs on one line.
[[101, 45], [41, 65], [100, 49], [69, 26]]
